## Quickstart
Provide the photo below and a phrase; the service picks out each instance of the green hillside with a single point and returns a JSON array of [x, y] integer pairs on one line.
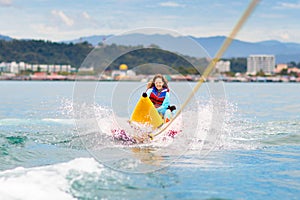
[[107, 57]]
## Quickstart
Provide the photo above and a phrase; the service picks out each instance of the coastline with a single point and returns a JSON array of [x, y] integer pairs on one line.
[[190, 78]]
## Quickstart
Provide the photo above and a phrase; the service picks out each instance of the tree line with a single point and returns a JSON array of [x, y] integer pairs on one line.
[[79, 54], [43, 52]]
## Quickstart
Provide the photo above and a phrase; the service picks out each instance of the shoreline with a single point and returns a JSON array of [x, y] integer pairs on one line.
[[210, 80]]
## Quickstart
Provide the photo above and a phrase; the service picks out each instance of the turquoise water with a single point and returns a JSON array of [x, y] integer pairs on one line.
[[255, 154]]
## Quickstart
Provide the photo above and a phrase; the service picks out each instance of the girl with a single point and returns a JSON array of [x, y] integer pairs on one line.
[[158, 92]]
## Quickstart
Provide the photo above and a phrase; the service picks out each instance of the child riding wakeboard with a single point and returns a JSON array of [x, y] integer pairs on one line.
[[158, 92]]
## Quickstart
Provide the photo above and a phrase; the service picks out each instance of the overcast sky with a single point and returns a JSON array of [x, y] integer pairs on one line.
[[59, 20]]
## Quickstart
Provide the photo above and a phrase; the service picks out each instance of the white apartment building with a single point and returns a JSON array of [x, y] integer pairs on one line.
[[256, 63], [15, 68], [223, 66]]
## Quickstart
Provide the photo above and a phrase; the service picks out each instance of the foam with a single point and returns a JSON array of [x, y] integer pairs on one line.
[[211, 124], [48, 182], [60, 121]]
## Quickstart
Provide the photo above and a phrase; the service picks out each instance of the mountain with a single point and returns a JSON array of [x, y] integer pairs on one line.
[[94, 39], [284, 52], [6, 38]]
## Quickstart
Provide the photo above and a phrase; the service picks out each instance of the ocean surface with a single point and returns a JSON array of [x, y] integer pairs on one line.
[[234, 141]]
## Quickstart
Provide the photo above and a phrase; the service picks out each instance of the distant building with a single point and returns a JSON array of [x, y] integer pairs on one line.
[[117, 74], [223, 66], [15, 68], [86, 69], [3, 67], [123, 73], [280, 67], [294, 69], [265, 63]]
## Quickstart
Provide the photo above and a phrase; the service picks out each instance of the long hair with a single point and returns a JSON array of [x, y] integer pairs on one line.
[[165, 85]]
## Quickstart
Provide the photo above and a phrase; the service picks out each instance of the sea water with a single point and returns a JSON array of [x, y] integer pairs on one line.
[[254, 152]]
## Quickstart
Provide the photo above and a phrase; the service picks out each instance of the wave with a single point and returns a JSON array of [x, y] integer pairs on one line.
[[80, 178], [48, 182], [59, 121]]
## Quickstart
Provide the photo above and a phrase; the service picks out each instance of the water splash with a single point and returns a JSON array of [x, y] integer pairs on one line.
[[235, 132]]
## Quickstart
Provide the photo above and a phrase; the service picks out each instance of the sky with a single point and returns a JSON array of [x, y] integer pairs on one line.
[[62, 20]]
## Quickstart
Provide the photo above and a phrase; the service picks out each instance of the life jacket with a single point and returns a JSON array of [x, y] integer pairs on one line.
[[157, 97]]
